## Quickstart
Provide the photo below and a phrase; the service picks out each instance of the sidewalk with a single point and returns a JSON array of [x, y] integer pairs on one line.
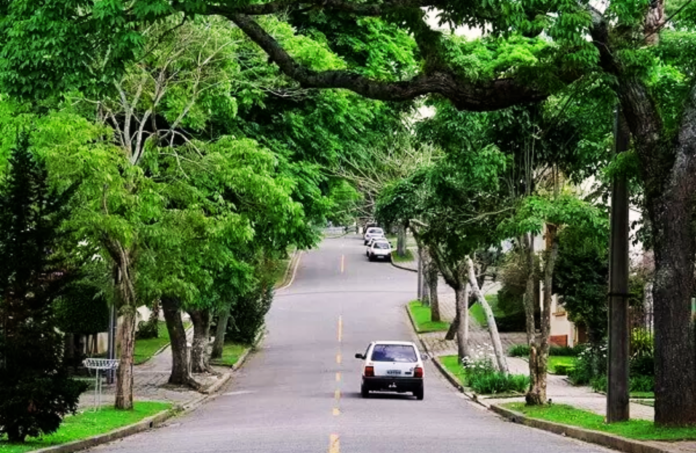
[[150, 383], [559, 390]]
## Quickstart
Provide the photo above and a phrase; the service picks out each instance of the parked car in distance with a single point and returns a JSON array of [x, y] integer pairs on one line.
[[393, 366], [379, 249], [371, 232]]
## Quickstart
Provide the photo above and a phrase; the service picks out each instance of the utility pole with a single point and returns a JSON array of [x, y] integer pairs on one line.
[[619, 337], [111, 351]]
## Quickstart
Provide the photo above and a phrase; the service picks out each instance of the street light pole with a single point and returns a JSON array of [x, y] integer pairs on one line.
[[619, 336]]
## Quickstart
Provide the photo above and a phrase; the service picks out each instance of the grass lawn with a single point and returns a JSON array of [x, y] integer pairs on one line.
[[421, 315], [146, 348], [88, 424], [230, 354], [632, 429], [452, 364], [476, 311], [402, 259], [650, 395], [560, 360]]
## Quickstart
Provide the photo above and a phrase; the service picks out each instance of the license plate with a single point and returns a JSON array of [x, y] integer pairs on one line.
[[394, 372]]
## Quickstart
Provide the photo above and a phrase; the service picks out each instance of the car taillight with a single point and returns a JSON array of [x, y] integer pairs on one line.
[[418, 372], [369, 371]]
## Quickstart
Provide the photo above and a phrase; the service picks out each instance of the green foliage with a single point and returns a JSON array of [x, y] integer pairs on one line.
[[231, 353], [87, 424], [35, 390], [481, 376], [82, 309], [522, 350], [591, 365], [581, 276], [147, 329]]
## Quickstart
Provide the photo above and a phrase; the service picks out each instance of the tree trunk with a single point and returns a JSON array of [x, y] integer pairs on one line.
[[530, 301], [492, 327], [401, 241], [538, 361], [177, 335], [431, 274], [675, 367], [154, 315], [201, 334], [454, 327], [462, 297], [124, 375], [220, 331], [126, 334]]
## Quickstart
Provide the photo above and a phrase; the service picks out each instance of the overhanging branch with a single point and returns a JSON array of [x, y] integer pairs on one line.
[[465, 95]]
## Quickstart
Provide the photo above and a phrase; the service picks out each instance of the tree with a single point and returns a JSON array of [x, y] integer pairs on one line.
[[35, 389], [581, 276], [549, 214], [630, 50]]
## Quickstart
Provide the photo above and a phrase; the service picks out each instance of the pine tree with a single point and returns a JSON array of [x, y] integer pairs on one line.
[[35, 389]]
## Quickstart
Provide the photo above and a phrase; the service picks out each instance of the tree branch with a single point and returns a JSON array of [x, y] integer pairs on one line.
[[465, 95], [362, 9]]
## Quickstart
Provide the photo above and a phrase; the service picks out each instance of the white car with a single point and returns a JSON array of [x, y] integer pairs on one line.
[[372, 232], [379, 249], [392, 366]]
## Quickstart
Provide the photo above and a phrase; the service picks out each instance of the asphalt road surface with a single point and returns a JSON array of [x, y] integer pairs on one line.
[[300, 391]]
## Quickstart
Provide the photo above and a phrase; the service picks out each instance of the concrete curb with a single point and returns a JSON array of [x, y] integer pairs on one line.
[[585, 435], [441, 368], [287, 270], [403, 268], [155, 420], [143, 425]]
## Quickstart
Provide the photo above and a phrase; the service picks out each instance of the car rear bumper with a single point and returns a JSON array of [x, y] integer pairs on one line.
[[392, 384]]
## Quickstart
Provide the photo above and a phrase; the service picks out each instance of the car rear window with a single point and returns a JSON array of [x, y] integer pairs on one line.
[[382, 245], [394, 353], [375, 230]]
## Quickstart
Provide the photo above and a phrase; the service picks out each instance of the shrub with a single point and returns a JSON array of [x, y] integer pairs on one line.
[[643, 365], [566, 351], [599, 383], [248, 315], [642, 384], [563, 369], [147, 329], [591, 363], [519, 350], [522, 350], [483, 378]]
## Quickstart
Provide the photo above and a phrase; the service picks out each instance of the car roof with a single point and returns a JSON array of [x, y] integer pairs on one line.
[[410, 343]]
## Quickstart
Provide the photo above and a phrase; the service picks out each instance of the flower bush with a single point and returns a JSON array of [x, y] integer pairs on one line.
[[483, 377]]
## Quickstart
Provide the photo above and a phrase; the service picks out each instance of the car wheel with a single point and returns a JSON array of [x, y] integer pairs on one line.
[[419, 394], [370, 258], [364, 392]]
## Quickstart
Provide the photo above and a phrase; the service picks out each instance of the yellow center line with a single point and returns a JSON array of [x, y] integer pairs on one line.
[[337, 394], [338, 377], [343, 263], [336, 412], [338, 358], [340, 328], [334, 444]]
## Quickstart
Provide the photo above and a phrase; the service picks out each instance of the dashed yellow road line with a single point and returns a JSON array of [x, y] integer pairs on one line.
[[337, 394], [343, 263], [338, 377], [340, 328], [336, 411], [338, 358], [334, 444]]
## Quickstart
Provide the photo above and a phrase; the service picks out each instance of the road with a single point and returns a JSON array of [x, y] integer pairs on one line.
[[299, 392]]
